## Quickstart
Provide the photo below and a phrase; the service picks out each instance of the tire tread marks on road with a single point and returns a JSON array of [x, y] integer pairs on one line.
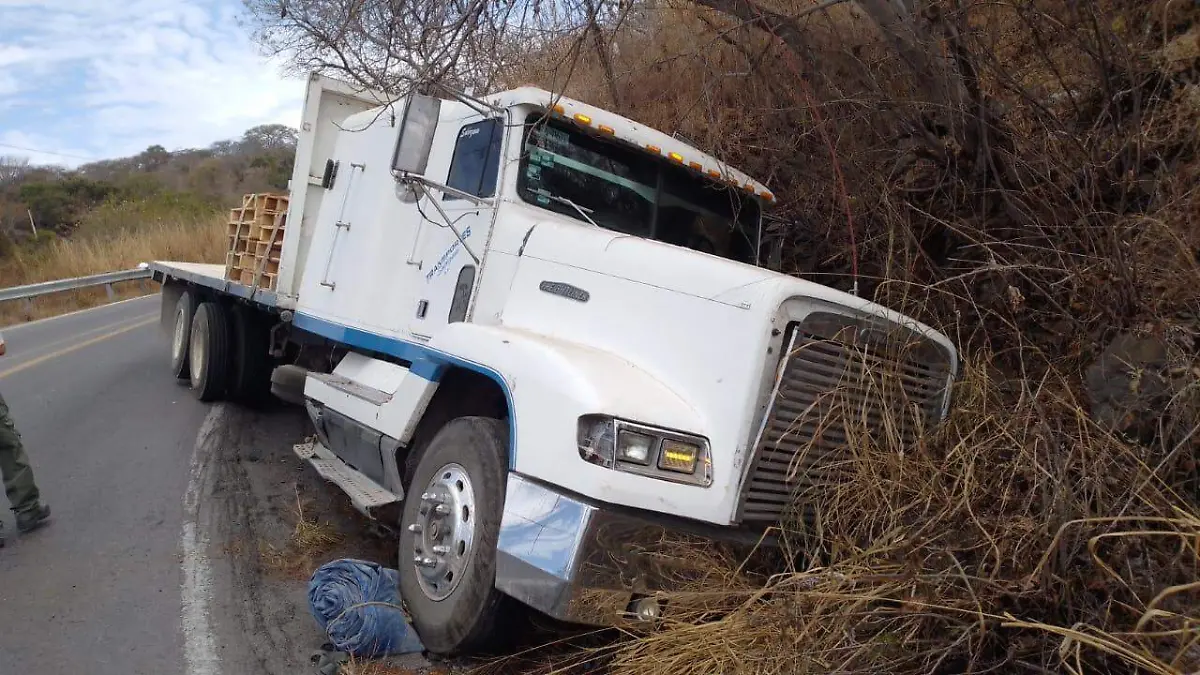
[[237, 516]]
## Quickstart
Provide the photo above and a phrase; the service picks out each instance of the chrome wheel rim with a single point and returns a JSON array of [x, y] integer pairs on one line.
[[196, 353], [444, 532], [177, 344]]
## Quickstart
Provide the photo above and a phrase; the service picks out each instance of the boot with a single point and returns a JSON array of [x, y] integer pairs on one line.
[[32, 520]]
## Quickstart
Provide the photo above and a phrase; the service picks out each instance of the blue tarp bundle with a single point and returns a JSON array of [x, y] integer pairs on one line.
[[357, 603]]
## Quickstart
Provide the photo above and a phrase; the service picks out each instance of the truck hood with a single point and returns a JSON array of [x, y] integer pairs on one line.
[[689, 272], [644, 261]]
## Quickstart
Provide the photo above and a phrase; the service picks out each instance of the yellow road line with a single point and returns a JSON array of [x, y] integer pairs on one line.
[[49, 346], [75, 347]]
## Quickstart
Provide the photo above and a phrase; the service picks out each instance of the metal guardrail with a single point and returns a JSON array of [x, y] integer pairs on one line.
[[47, 287]]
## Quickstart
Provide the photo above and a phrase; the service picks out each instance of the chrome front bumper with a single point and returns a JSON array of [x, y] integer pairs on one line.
[[586, 563]]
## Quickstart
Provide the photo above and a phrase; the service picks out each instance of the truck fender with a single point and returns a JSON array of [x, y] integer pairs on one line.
[[550, 383]]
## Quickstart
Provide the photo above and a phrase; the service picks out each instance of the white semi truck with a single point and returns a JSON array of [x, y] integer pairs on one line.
[[546, 339]]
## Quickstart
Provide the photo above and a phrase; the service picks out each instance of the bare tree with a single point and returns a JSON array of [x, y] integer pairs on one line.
[[268, 137], [393, 45], [12, 169]]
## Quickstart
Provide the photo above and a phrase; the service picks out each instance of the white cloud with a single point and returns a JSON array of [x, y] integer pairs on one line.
[[12, 54], [116, 77], [40, 149], [8, 84]]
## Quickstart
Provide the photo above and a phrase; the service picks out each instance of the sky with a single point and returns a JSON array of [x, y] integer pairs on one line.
[[82, 80]]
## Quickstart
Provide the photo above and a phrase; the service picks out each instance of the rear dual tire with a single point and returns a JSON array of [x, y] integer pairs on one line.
[[183, 315], [221, 351], [251, 364], [209, 352]]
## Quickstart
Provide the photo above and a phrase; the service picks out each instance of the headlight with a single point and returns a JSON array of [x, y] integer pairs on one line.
[[649, 451], [678, 456], [634, 447]]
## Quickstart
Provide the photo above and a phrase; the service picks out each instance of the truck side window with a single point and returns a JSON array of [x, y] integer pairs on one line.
[[476, 159]]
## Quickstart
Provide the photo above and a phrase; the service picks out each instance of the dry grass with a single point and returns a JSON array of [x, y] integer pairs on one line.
[[306, 548], [357, 666], [1020, 536], [190, 238]]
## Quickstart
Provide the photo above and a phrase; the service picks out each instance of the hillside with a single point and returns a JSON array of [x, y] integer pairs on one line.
[[113, 214]]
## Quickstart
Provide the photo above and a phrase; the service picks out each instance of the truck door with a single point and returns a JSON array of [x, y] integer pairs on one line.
[[327, 103], [449, 269]]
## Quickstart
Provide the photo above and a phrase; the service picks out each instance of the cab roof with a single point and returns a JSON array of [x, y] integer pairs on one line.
[[605, 123]]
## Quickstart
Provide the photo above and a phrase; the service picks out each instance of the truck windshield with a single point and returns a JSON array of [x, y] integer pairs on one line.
[[618, 188]]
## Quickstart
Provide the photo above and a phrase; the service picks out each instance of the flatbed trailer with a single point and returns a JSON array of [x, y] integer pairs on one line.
[[213, 278]]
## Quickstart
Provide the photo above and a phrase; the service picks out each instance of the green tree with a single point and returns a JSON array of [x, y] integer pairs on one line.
[[59, 204], [268, 138], [152, 158]]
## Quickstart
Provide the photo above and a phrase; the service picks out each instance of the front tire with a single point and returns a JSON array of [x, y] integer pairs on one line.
[[209, 352], [449, 533]]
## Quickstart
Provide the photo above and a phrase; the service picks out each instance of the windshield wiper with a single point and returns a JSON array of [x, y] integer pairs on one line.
[[583, 211]]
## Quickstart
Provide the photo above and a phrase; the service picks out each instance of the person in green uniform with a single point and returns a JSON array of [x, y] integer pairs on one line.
[[22, 492]]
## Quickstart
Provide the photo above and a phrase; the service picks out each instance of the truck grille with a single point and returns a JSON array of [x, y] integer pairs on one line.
[[844, 381]]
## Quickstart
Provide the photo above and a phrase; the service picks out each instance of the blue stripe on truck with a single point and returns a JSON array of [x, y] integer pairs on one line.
[[427, 363]]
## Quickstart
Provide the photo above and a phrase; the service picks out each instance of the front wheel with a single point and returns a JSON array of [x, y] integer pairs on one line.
[[451, 524]]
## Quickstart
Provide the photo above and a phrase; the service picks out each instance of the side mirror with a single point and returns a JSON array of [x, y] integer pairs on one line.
[[417, 127]]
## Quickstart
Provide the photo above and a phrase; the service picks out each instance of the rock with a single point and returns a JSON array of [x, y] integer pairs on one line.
[[1126, 387]]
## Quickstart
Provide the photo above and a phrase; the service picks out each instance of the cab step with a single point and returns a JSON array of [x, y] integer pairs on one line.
[[346, 385], [368, 497]]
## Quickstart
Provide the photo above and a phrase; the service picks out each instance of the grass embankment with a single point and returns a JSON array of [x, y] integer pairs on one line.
[[110, 238]]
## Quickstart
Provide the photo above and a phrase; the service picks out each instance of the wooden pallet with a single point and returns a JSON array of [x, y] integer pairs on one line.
[[267, 249], [241, 244], [255, 240]]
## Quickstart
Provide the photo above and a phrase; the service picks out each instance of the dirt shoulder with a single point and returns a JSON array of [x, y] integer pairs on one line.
[[271, 521]]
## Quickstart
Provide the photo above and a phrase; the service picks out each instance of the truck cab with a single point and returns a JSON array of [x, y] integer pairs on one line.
[[551, 341]]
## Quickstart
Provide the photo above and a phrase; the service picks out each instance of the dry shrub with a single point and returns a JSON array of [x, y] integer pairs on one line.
[[1017, 536], [356, 666], [305, 550], [1020, 536], [193, 238]]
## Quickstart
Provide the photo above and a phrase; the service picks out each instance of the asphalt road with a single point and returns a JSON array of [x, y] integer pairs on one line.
[[111, 438]]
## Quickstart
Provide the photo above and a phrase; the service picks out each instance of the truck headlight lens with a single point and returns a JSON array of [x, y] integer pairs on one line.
[[634, 447], [678, 456], [648, 451]]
